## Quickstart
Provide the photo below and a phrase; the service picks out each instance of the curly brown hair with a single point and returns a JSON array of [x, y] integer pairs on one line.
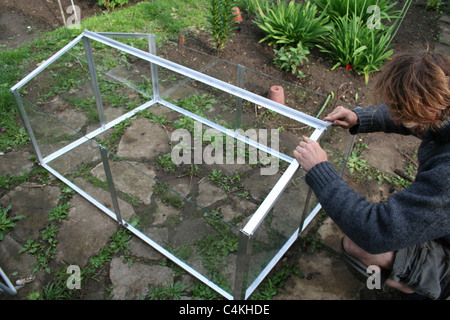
[[415, 88]]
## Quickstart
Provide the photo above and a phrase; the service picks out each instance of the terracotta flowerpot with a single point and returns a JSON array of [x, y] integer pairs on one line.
[[276, 94], [237, 13]]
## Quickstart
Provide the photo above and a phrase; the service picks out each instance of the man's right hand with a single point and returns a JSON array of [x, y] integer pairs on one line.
[[342, 117]]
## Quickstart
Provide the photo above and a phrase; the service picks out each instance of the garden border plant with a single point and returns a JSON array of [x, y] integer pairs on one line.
[[351, 32], [356, 42]]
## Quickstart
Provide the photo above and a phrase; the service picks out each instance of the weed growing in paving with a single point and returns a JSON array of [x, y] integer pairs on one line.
[[171, 291], [361, 171], [6, 222]]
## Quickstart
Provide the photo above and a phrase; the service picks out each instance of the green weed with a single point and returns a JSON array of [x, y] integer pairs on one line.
[[291, 59], [171, 291], [7, 223]]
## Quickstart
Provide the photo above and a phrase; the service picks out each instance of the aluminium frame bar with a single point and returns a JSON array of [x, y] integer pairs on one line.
[[213, 82], [47, 63], [276, 192], [94, 79], [9, 287]]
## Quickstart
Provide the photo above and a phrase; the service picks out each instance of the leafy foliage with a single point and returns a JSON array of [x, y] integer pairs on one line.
[[289, 24], [291, 58], [6, 222], [338, 8], [353, 44], [111, 4]]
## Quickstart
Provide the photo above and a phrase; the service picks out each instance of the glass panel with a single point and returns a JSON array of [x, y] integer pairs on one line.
[[278, 226]]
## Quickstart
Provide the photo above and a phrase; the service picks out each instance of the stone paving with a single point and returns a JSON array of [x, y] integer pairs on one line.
[[88, 229]]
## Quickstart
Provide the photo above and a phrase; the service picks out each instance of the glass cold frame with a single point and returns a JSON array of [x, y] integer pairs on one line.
[[109, 137]]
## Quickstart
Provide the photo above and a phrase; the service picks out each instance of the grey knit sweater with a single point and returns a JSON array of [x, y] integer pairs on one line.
[[418, 213]]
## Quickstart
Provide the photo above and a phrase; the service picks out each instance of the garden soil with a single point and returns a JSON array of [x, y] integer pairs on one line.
[[324, 275]]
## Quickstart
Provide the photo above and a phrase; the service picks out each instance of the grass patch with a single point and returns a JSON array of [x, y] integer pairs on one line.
[[165, 19]]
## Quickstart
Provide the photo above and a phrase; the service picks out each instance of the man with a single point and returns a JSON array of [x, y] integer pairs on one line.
[[408, 236]]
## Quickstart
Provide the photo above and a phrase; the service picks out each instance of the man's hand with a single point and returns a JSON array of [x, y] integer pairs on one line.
[[342, 117], [309, 153]]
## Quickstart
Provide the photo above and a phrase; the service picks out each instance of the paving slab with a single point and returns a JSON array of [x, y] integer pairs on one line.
[[88, 228], [19, 266], [209, 193], [144, 141], [132, 178], [132, 281], [331, 234], [15, 163], [325, 278], [33, 201]]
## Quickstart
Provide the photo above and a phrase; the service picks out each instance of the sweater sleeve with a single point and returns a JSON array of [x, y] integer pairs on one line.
[[375, 119], [416, 214]]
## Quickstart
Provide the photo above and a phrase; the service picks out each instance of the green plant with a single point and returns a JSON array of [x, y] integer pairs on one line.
[[250, 6], [228, 183], [111, 4], [56, 290], [356, 162], [355, 45], [204, 292], [270, 285], [215, 175], [220, 22], [435, 4], [6, 222], [289, 24], [195, 103], [172, 291], [165, 163], [291, 58], [338, 8], [59, 212]]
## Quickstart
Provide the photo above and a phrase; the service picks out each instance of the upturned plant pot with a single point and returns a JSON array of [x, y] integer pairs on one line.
[[276, 94], [237, 13]]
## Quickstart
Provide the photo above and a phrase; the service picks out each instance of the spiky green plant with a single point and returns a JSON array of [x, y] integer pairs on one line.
[[289, 24], [338, 8], [6, 222], [353, 44], [220, 22]]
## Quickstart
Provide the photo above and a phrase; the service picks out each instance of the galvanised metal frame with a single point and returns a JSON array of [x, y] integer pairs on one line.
[[247, 233], [9, 287]]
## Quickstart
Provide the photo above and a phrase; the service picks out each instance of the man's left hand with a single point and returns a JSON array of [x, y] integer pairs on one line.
[[309, 153]]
